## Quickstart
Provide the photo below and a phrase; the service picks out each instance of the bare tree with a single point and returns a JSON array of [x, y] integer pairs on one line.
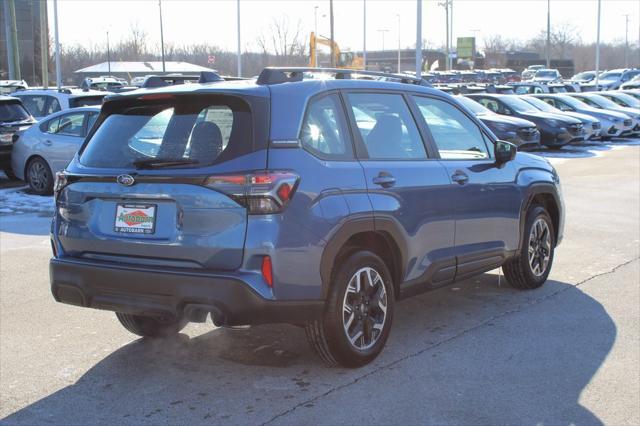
[[283, 40]]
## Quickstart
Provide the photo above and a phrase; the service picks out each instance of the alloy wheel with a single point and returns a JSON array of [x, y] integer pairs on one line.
[[539, 247], [38, 176], [364, 308]]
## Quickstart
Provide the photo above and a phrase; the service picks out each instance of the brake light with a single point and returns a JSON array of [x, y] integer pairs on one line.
[[267, 270], [262, 192]]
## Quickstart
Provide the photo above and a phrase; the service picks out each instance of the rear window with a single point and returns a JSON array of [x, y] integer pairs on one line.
[[185, 134], [85, 101], [12, 111]]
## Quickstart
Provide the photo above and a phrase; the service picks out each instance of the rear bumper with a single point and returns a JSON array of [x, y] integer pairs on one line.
[[173, 293]]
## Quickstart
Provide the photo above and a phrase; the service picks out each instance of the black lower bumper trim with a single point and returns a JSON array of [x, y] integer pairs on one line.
[[175, 294]]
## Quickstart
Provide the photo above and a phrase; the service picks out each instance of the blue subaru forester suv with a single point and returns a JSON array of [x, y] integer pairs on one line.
[[312, 197]]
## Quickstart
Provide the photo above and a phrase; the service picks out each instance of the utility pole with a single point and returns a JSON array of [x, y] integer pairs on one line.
[[548, 34], [626, 40], [164, 69], [13, 53], [419, 39], [108, 54], [399, 45], [57, 44], [239, 54], [364, 35], [598, 48], [9, 44], [333, 57], [447, 4], [382, 31], [44, 44]]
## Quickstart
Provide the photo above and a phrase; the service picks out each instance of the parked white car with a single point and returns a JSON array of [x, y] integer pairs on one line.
[[43, 102], [47, 147]]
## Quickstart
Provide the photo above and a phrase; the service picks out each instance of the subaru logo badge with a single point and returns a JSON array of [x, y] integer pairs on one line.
[[126, 180]]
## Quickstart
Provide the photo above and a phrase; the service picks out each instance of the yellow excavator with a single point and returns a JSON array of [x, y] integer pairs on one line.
[[342, 59]]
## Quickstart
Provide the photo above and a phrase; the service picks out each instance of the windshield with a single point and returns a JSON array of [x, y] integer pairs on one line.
[[12, 111], [584, 76], [610, 75], [187, 134], [626, 100], [541, 105], [545, 73], [518, 104], [602, 101], [474, 106], [573, 102]]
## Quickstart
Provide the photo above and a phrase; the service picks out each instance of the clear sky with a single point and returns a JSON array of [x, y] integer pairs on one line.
[[214, 21]]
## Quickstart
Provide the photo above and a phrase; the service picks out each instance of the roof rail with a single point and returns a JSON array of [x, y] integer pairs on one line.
[[278, 75]]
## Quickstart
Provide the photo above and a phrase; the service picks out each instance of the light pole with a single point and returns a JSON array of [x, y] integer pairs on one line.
[[598, 48], [239, 53], [364, 35], [161, 37], [108, 55], [626, 40], [382, 31], [548, 34], [419, 39], [57, 43], [451, 31], [315, 29], [398, 16]]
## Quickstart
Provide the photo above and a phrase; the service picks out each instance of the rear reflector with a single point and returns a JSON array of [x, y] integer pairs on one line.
[[267, 270]]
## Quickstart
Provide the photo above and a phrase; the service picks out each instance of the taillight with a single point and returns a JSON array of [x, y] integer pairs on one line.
[[262, 192], [59, 183], [267, 270]]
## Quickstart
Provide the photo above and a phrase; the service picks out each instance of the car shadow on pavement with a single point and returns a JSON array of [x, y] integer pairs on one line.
[[476, 352]]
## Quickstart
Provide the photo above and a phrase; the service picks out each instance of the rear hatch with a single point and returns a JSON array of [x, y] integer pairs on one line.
[[145, 189]]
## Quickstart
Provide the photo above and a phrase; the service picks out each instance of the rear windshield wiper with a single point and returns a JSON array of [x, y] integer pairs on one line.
[[157, 163]]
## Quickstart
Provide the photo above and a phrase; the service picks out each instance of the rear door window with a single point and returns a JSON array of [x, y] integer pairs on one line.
[[185, 134], [324, 130], [386, 126], [72, 124]]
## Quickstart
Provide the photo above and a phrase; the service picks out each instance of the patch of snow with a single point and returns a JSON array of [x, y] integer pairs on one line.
[[19, 200]]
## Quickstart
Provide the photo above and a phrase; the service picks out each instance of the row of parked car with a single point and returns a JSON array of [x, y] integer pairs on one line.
[[516, 113]]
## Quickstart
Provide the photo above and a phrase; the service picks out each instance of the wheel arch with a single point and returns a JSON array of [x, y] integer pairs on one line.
[[383, 238], [544, 194]]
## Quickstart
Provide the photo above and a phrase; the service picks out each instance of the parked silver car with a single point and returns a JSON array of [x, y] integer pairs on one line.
[[47, 147]]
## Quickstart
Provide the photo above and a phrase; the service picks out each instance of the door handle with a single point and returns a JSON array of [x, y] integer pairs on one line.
[[48, 142], [385, 180], [460, 177]]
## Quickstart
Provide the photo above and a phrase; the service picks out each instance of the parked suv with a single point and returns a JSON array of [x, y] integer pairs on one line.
[[43, 102], [318, 202], [13, 119], [556, 130]]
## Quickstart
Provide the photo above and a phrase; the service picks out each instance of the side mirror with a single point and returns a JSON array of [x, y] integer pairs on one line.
[[504, 152]]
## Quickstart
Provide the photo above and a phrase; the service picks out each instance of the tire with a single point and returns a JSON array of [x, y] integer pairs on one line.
[[367, 313], [150, 326], [10, 175], [39, 177], [523, 273]]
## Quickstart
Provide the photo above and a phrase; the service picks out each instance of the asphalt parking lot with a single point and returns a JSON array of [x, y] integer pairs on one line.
[[477, 352]]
